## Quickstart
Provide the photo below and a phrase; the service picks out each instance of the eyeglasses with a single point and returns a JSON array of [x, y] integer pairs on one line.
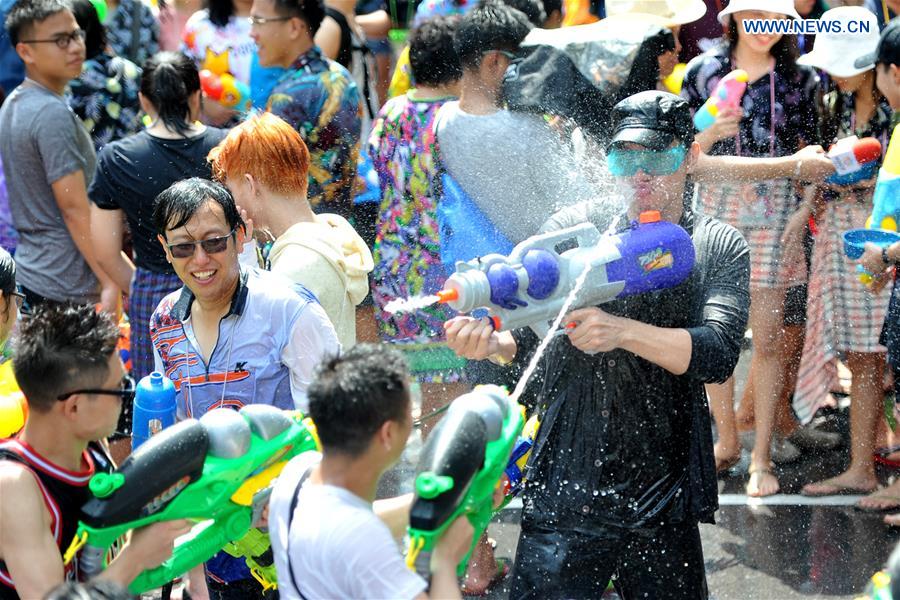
[[62, 40], [20, 299], [506, 53], [626, 163], [210, 246], [126, 392], [263, 20]]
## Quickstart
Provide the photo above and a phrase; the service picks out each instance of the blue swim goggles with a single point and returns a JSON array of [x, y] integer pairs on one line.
[[626, 163]]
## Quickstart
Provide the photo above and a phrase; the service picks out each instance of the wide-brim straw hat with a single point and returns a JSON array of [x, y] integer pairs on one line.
[[670, 12]]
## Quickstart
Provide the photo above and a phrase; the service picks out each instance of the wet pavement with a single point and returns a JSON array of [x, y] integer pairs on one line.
[[784, 547]]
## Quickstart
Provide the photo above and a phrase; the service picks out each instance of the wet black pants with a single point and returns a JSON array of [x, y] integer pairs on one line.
[[655, 563]]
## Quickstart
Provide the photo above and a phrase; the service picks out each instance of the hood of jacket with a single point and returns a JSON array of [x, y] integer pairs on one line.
[[334, 239]]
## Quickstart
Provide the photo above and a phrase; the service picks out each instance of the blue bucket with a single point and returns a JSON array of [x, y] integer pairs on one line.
[[856, 239]]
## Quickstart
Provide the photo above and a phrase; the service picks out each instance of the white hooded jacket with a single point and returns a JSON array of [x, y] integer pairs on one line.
[[329, 258]]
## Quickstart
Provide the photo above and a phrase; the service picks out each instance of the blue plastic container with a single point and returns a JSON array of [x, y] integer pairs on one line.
[[856, 239], [154, 407], [866, 171]]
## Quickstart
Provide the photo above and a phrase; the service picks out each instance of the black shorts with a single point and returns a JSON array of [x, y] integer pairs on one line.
[[659, 562], [795, 299], [795, 305]]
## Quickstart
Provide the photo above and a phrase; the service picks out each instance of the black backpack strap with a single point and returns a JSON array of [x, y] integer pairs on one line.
[[290, 521], [136, 14]]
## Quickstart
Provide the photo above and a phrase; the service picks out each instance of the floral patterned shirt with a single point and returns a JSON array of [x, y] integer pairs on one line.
[[407, 245], [119, 26], [105, 98], [320, 99], [793, 116]]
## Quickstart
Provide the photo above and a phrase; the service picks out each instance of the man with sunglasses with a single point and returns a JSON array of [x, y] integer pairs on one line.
[[622, 467], [69, 370], [315, 95], [48, 160], [230, 337]]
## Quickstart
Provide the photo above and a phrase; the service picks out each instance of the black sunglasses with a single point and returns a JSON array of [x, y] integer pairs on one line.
[[210, 246], [126, 392]]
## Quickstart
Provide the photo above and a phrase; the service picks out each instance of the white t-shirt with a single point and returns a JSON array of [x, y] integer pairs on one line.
[[336, 546]]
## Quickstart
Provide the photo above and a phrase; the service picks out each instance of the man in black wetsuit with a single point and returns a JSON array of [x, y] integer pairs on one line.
[[67, 365], [622, 468]]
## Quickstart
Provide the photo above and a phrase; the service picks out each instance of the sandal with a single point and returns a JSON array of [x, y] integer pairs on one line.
[[496, 580]]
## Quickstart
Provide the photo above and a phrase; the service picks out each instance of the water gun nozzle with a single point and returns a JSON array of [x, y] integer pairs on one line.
[[448, 295]]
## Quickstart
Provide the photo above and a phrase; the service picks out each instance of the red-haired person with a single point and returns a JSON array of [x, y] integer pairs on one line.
[[264, 162]]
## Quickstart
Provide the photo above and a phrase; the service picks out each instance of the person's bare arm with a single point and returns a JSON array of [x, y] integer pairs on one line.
[[810, 164], [71, 197], [108, 232], [394, 512], [448, 552], [328, 38], [599, 331], [375, 25], [26, 542], [147, 548]]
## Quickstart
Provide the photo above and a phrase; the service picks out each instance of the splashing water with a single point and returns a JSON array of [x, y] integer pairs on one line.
[[579, 283], [407, 305], [532, 365]]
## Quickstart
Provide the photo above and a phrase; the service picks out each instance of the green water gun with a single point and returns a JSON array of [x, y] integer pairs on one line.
[[216, 472], [461, 466]]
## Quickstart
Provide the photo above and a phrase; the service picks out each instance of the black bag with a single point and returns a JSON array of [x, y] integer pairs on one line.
[[581, 72]]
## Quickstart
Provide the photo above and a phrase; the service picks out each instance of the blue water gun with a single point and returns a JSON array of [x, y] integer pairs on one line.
[[529, 287]]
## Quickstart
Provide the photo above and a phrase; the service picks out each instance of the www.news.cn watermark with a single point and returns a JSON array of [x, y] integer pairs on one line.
[[805, 26]]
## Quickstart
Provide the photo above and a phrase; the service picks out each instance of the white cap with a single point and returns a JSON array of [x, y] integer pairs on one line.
[[781, 7], [835, 53]]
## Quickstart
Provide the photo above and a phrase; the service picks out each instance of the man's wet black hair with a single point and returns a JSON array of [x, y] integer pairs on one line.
[[533, 9], [177, 204], [26, 13], [89, 21], [353, 395], [432, 57], [491, 25], [62, 347], [7, 278], [167, 81], [311, 11]]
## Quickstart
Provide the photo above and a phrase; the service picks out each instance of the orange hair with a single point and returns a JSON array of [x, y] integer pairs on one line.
[[267, 148]]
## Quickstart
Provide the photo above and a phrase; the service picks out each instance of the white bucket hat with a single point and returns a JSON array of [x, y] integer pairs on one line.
[[835, 53], [672, 12], [781, 7]]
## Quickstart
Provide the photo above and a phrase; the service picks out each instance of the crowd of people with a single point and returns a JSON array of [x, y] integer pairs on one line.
[[250, 184]]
